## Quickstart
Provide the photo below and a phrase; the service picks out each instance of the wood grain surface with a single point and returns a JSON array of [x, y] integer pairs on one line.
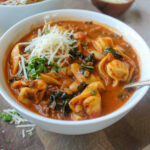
[[130, 133]]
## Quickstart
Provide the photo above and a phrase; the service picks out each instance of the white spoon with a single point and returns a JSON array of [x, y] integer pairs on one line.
[[138, 84]]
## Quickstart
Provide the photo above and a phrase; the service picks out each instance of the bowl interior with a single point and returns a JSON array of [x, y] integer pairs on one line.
[[22, 28]]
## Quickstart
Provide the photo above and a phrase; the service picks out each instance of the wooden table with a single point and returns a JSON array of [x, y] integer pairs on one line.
[[130, 133]]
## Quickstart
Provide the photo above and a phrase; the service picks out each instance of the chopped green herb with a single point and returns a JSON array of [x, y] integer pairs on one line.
[[73, 43], [55, 67], [36, 66], [93, 92], [64, 69], [46, 31], [30, 133], [5, 117], [87, 67], [115, 53]]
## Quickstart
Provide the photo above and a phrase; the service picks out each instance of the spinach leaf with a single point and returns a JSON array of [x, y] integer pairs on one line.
[[60, 100], [90, 58], [75, 54], [81, 87], [115, 53]]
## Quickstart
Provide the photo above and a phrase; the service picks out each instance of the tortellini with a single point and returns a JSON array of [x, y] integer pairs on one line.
[[26, 95], [49, 79], [87, 102], [115, 69], [102, 42], [118, 71], [34, 93], [75, 68], [129, 61], [19, 84], [40, 88]]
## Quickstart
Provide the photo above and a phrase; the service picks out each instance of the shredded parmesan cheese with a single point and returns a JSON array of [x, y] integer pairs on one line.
[[23, 133], [19, 121], [54, 45]]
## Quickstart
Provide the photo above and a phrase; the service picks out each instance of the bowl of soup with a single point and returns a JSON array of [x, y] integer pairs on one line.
[[12, 11], [67, 74]]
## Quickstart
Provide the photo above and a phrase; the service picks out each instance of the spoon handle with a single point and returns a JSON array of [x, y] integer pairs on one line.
[[138, 84]]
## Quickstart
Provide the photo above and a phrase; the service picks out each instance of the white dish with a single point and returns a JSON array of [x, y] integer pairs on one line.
[[74, 127], [11, 14]]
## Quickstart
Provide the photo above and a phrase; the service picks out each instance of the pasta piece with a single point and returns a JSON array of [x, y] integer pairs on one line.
[[101, 67], [74, 86], [29, 95], [98, 55], [92, 105], [92, 78], [49, 79], [76, 116], [15, 59], [129, 61], [19, 84], [82, 103], [103, 42], [118, 71], [40, 88], [75, 68], [26, 95], [80, 36]]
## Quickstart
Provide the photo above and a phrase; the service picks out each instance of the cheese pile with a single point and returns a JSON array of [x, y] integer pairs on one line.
[[54, 45]]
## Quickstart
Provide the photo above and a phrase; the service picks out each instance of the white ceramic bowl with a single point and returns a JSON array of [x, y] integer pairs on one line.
[[10, 14], [74, 127]]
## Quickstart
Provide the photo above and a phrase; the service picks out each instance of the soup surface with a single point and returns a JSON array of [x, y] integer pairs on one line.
[[72, 70], [18, 2]]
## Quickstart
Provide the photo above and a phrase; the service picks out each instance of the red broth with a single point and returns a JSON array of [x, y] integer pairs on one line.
[[103, 101]]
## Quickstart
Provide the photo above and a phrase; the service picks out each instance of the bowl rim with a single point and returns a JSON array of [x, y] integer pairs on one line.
[[38, 117], [26, 5]]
